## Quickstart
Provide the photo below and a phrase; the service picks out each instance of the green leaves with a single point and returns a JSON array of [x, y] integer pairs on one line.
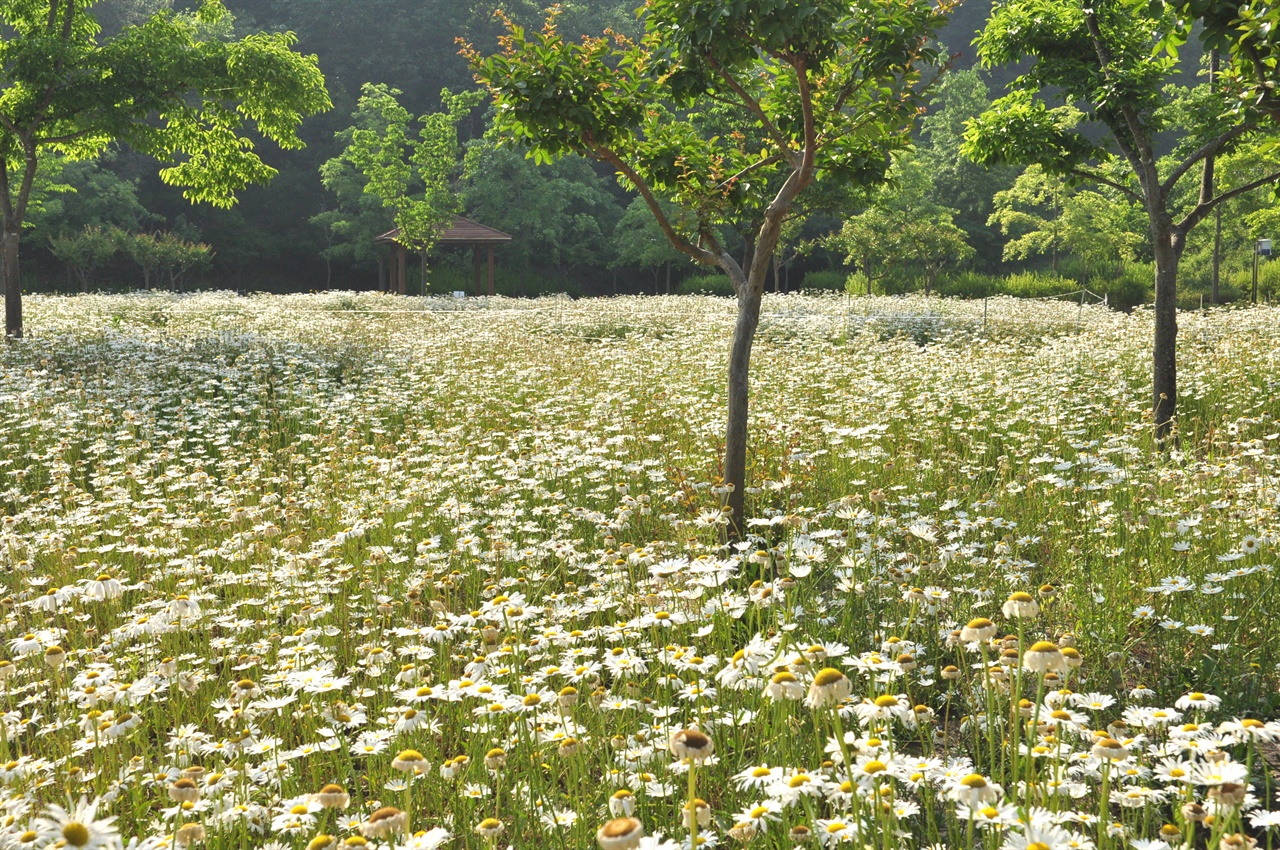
[[410, 176], [1021, 129], [68, 92], [714, 107]]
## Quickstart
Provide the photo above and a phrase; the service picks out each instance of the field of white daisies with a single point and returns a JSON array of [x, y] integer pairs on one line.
[[347, 571]]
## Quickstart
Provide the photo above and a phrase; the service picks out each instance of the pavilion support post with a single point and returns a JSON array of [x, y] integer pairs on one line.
[[475, 277], [402, 273], [490, 271]]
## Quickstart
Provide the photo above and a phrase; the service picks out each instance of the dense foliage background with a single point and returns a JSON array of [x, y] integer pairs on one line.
[[113, 224]]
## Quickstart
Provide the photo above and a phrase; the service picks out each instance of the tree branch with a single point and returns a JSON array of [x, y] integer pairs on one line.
[[801, 177], [1106, 181], [57, 140], [1203, 209], [1208, 149], [757, 110], [760, 163], [1146, 156], [677, 241]]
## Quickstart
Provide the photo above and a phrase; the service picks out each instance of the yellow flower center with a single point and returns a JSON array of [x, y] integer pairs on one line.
[[76, 834], [827, 677]]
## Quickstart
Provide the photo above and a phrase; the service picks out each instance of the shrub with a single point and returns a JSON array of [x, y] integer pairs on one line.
[[707, 284], [825, 281], [855, 284], [1134, 285], [969, 285], [1036, 285], [1268, 281]]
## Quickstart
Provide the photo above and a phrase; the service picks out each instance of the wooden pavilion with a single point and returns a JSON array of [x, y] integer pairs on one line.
[[463, 231]]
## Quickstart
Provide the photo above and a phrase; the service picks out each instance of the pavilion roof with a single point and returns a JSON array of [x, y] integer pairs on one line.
[[463, 231]]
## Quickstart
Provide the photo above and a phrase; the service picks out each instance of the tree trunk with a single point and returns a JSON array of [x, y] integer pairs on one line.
[[1168, 246], [1217, 250], [668, 277], [12, 281], [735, 442], [775, 273], [1207, 187]]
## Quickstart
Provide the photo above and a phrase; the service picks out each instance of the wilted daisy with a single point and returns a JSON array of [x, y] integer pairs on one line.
[[622, 833], [1021, 606], [385, 822], [692, 744]]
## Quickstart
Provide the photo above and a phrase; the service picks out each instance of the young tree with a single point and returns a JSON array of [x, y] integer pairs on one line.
[[903, 226], [166, 87], [1029, 215], [412, 177], [1103, 56], [955, 181], [86, 251], [358, 217], [825, 88], [165, 254], [869, 241]]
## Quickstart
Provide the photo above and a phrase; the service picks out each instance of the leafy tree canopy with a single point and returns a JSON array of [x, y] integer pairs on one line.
[[173, 86], [411, 174]]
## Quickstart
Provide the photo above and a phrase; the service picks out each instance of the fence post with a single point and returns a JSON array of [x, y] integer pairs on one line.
[[1080, 312]]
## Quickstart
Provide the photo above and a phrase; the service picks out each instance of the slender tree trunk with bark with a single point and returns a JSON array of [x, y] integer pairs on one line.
[[1168, 246], [1207, 188], [12, 281], [1217, 251], [735, 442]]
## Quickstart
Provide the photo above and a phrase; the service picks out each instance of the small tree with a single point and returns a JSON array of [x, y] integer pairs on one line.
[[162, 255], [1029, 215], [86, 251], [821, 88], [869, 241], [903, 226], [358, 217], [410, 176], [172, 86], [1104, 56]]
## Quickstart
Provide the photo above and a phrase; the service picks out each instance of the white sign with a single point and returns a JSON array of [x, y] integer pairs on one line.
[[1264, 247]]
